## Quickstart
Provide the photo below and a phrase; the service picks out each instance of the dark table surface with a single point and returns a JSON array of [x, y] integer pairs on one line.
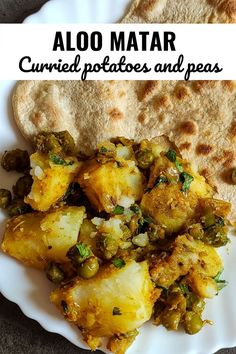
[[18, 334]]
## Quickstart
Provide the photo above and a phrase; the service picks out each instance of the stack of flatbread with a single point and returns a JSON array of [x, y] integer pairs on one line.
[[182, 11], [199, 117]]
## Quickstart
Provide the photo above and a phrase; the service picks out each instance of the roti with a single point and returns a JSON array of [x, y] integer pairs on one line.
[[182, 11]]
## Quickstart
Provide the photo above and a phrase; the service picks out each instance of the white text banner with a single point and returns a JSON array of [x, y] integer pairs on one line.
[[118, 52]]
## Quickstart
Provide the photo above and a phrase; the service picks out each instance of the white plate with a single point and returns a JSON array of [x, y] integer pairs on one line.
[[30, 290], [80, 11]]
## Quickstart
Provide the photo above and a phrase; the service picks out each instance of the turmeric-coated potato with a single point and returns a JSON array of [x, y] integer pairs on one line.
[[37, 238], [170, 200], [187, 255], [115, 301], [51, 179], [107, 185], [202, 285]]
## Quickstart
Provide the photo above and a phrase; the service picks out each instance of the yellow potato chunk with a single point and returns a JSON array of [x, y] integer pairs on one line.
[[187, 255], [109, 303], [203, 286], [169, 207], [107, 185], [166, 203], [50, 180], [37, 238], [220, 208], [209, 263], [199, 186]]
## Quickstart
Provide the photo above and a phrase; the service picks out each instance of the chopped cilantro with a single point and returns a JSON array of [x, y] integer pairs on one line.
[[83, 249], [135, 208], [159, 180], [179, 166], [171, 155], [186, 180], [217, 277], [58, 160], [184, 288], [116, 311], [118, 210], [220, 283], [103, 150], [118, 262]]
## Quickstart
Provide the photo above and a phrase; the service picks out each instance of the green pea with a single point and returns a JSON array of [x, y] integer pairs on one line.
[[171, 319], [195, 303], [196, 231], [66, 141], [88, 268], [209, 219], [54, 273], [216, 236], [18, 207], [15, 160], [23, 186], [192, 322], [5, 198], [144, 158], [108, 245], [177, 300], [47, 142]]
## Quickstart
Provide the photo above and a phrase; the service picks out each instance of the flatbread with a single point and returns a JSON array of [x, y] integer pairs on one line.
[[199, 117], [181, 11], [90, 111]]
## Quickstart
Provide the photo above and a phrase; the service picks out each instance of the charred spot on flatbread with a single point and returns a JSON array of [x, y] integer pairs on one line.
[[181, 92], [188, 128], [185, 146], [115, 114], [163, 101], [232, 130], [204, 149], [148, 90]]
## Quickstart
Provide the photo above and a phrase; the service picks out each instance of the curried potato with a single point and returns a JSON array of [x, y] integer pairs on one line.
[[218, 207], [187, 254], [209, 262], [37, 238], [109, 303], [166, 201], [169, 207], [51, 179], [202, 285], [107, 185]]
